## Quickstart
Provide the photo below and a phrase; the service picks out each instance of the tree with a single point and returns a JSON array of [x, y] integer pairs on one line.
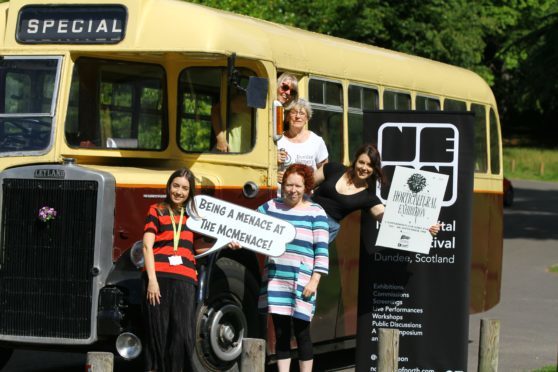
[[527, 84], [510, 43]]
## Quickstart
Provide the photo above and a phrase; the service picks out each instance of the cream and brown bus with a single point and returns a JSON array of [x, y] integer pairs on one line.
[[100, 102]]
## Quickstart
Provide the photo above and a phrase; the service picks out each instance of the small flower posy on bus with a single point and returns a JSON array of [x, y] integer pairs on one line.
[[47, 213]]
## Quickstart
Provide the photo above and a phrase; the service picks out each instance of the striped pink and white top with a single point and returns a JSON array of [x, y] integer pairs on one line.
[[285, 277]]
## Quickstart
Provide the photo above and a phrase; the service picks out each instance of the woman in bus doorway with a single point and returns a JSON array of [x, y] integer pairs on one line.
[[287, 89], [345, 190], [239, 128], [290, 281], [298, 144], [170, 278]]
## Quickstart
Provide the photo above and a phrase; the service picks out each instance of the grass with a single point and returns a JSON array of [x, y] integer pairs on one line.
[[553, 268], [546, 369], [531, 163]]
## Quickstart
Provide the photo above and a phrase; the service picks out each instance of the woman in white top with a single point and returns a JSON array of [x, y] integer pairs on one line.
[[298, 144]]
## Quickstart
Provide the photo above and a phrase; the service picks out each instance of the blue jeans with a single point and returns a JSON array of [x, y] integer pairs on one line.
[[334, 227]]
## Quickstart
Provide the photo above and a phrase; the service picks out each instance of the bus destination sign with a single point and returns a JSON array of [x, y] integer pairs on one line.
[[67, 24]]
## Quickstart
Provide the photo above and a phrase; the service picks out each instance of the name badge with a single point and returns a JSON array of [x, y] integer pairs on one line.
[[175, 260]]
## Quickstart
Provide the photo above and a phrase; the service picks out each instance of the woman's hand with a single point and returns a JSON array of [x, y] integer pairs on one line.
[[280, 176], [221, 145], [153, 293], [378, 212], [281, 156], [311, 287], [434, 229], [234, 245]]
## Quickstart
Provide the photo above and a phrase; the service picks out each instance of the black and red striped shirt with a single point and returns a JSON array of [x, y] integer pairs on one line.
[[158, 221]]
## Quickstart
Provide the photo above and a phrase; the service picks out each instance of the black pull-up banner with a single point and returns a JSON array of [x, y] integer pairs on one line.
[[425, 296]]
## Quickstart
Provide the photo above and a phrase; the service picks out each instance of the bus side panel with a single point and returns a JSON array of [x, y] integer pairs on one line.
[[132, 204], [328, 298], [347, 245], [486, 268], [486, 259]]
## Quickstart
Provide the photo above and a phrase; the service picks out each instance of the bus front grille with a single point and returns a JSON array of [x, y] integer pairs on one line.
[[46, 267]]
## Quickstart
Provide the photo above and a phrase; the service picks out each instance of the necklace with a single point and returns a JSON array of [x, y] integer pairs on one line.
[[176, 229]]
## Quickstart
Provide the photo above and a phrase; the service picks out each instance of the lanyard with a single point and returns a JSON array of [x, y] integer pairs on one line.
[[175, 229]]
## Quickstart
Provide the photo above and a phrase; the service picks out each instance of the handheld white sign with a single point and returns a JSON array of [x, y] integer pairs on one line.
[[229, 222], [413, 206]]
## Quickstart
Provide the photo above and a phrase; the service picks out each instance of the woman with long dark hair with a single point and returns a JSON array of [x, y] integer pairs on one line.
[[170, 277], [344, 190]]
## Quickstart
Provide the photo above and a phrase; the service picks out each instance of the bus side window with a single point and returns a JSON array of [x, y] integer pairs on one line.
[[481, 151], [202, 112], [240, 132], [397, 101], [427, 104], [116, 104], [326, 98], [360, 98], [454, 105], [199, 92]]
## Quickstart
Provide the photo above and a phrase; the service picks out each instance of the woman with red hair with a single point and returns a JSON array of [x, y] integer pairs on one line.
[[291, 280]]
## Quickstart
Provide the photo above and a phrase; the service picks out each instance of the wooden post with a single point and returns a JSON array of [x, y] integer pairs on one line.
[[542, 168], [253, 355], [513, 165], [388, 350], [488, 345], [99, 362]]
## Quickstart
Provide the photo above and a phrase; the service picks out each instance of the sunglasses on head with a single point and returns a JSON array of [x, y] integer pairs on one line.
[[286, 87]]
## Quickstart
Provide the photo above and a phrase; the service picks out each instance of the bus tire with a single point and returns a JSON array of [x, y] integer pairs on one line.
[[5, 355], [508, 197], [226, 317]]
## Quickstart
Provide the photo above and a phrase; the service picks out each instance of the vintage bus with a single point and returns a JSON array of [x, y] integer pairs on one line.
[[100, 102]]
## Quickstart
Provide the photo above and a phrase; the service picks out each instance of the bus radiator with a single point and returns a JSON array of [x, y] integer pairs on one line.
[[45, 266]]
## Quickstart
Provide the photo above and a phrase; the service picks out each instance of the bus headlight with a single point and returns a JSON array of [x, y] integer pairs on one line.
[[128, 345], [136, 254]]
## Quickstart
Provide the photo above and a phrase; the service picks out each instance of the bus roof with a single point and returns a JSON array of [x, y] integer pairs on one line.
[[178, 26]]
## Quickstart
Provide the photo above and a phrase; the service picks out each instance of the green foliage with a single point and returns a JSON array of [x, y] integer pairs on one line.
[[510, 43], [450, 31], [531, 163], [149, 133], [195, 134], [533, 56], [546, 369]]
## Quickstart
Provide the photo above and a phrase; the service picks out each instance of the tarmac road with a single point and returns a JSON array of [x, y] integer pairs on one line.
[[528, 310]]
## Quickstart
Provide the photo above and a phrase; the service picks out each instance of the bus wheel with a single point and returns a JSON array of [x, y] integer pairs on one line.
[[229, 315], [508, 197], [5, 355]]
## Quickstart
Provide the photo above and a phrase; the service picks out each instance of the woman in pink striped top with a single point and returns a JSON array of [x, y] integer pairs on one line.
[[291, 280]]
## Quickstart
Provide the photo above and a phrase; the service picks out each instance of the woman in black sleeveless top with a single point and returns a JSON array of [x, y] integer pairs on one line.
[[345, 190]]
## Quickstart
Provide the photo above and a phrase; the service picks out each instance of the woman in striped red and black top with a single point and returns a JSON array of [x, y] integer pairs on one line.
[[170, 277]]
